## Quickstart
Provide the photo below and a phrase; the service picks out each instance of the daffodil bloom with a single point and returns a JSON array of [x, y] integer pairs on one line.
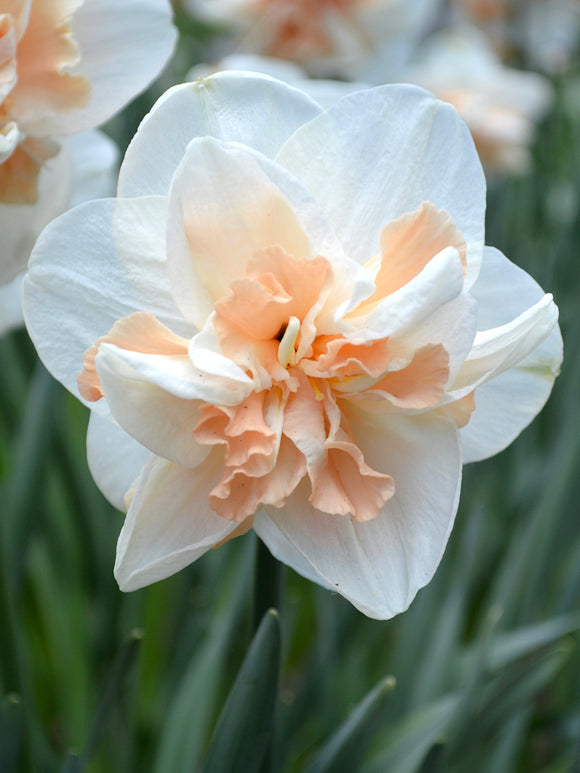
[[65, 66], [287, 320], [500, 105], [328, 37]]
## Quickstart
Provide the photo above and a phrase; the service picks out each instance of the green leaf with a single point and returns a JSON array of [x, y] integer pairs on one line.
[[11, 733], [244, 729], [194, 705], [346, 748], [410, 740]]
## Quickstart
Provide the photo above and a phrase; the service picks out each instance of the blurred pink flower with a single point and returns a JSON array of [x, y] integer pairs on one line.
[[289, 321], [65, 66]]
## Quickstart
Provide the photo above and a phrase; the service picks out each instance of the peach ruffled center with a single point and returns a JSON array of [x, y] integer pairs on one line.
[[295, 426]]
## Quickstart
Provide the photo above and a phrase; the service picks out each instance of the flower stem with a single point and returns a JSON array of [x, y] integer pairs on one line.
[[268, 584]]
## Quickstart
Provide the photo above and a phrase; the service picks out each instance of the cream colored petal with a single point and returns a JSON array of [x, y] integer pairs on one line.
[[226, 203], [169, 523], [379, 565], [257, 111]]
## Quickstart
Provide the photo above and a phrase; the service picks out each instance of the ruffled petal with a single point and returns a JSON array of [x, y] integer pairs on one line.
[[395, 164], [169, 523], [257, 111]]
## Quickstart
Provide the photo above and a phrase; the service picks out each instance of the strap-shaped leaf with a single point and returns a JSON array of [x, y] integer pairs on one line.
[[244, 729], [346, 748]]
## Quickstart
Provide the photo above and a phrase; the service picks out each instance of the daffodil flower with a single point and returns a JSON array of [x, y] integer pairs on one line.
[[65, 66], [288, 320]]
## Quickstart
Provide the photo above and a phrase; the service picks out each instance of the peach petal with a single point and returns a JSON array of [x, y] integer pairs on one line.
[[138, 332], [7, 59], [242, 529], [276, 288], [243, 432], [419, 385], [47, 52], [407, 245], [19, 173], [337, 357], [239, 495], [342, 484], [459, 411]]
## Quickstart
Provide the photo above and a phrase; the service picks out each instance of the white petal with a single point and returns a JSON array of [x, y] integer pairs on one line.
[[227, 202], [97, 263], [378, 153], [175, 375], [156, 418], [507, 404], [124, 46], [499, 349], [380, 565], [438, 283], [453, 324], [169, 523], [237, 107], [115, 459]]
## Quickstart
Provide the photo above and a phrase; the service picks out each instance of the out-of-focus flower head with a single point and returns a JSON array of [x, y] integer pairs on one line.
[[500, 105], [300, 331], [65, 66], [88, 164], [333, 38], [545, 34]]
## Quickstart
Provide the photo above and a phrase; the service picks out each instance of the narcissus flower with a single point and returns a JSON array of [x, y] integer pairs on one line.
[[328, 37], [65, 66], [288, 320], [500, 105]]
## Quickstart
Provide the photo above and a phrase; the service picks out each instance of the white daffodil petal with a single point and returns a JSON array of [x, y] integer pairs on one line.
[[227, 202], [97, 263], [495, 351], [499, 417], [176, 375], [503, 292], [123, 47], [155, 417], [380, 565], [438, 283], [409, 148], [115, 458], [169, 523], [256, 110]]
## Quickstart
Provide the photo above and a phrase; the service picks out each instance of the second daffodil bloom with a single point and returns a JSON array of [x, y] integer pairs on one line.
[[287, 320], [65, 66]]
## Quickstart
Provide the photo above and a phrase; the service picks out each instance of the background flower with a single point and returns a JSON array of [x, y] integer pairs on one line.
[[66, 67]]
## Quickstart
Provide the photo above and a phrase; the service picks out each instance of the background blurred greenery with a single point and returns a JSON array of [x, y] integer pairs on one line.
[[481, 674]]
